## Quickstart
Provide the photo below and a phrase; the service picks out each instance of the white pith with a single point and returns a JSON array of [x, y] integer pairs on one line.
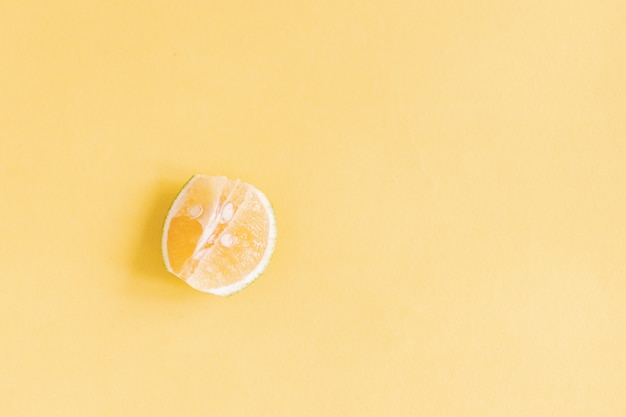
[[211, 225]]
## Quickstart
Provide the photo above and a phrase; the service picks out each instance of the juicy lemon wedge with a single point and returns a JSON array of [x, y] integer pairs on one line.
[[219, 234]]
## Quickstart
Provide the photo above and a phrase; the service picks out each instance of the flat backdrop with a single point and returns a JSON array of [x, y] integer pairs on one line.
[[449, 182]]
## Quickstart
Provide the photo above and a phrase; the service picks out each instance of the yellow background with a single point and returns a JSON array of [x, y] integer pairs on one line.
[[448, 177]]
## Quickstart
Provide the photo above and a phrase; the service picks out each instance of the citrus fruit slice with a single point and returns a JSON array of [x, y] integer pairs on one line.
[[219, 234]]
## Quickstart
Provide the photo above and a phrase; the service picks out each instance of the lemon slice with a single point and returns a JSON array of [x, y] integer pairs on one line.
[[219, 234]]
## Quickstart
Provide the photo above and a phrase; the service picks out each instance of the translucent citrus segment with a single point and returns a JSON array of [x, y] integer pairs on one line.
[[219, 234]]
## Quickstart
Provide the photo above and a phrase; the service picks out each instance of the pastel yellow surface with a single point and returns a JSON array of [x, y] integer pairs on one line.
[[448, 178]]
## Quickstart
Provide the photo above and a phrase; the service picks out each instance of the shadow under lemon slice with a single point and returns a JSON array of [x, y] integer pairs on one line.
[[219, 234]]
